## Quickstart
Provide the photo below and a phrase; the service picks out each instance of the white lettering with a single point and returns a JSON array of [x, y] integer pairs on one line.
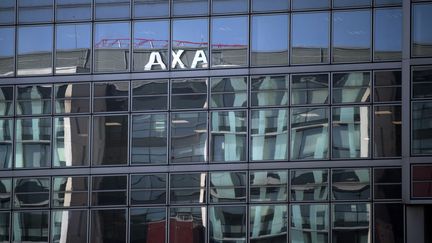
[[155, 59], [199, 57], [176, 59]]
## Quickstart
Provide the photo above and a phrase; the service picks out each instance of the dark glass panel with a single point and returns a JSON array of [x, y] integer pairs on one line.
[[112, 9], [229, 92], [151, 8], [148, 189], [387, 140], [189, 7], [188, 188], [31, 11], [189, 93], [154, 181], [7, 52], [388, 183], [7, 12], [310, 223], [71, 10], [6, 100], [109, 190], [149, 95], [30, 226], [351, 223], [147, 225], [5, 193], [310, 4], [108, 226], [229, 6], [72, 98], [388, 2], [309, 89], [227, 187], [70, 192], [269, 91], [388, 34], [5, 226], [421, 190], [421, 133], [268, 186], [389, 223], [268, 224], [31, 192], [111, 96], [388, 86], [351, 87], [6, 143], [69, 226], [351, 3], [148, 197], [227, 222], [187, 224], [269, 5], [421, 36], [33, 99], [351, 184], [309, 185], [422, 82]]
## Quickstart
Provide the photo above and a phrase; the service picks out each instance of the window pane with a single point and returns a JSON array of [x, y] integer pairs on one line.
[[112, 9], [351, 3], [150, 45], [421, 128], [310, 89], [6, 100], [149, 95], [388, 86], [391, 218], [229, 6], [421, 34], [189, 49], [387, 183], [351, 36], [111, 96], [388, 2], [111, 46], [31, 11], [109, 190], [269, 134], [33, 142], [351, 223], [5, 226], [309, 133], [269, 35], [148, 189], [147, 225], [268, 222], [310, 4], [227, 187], [188, 7], [71, 141], [195, 231], [188, 188], [34, 99], [229, 42], [30, 226], [151, 8], [70, 10], [188, 137], [351, 87], [310, 223], [309, 185], [227, 222], [228, 136], [108, 226], [70, 192], [6, 143], [149, 139], [351, 184], [229, 92], [269, 91], [72, 98], [7, 12], [351, 127], [35, 44], [5, 194], [69, 226], [422, 82], [268, 186], [7, 52], [388, 34], [110, 140], [269, 5], [310, 38], [73, 48], [31, 192], [189, 93], [387, 131]]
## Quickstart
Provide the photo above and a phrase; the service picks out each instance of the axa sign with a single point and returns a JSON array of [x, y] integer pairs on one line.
[[155, 59]]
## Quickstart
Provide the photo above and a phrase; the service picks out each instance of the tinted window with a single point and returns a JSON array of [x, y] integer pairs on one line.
[[269, 5], [387, 131], [151, 8], [111, 96], [30, 226], [73, 10], [262, 220], [7, 52], [227, 187], [389, 215], [388, 86], [112, 9], [303, 229], [351, 223], [229, 92], [69, 226], [188, 188], [33, 99], [422, 82], [351, 87], [6, 100], [421, 34], [187, 7], [31, 192], [310, 185], [148, 189], [7, 12], [309, 89], [229, 6], [268, 186], [149, 95], [108, 226], [189, 93], [195, 215], [30, 11], [109, 190], [6, 141], [269, 91], [351, 3], [69, 192], [388, 34], [72, 98], [351, 184], [421, 128], [310, 4], [227, 222], [146, 224]]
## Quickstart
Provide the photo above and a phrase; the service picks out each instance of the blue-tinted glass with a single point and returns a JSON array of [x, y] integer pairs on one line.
[[7, 11], [73, 10], [310, 38], [229, 6], [310, 4], [112, 9], [421, 33], [190, 7], [31, 11], [151, 8], [388, 34], [387, 2], [35, 44], [421, 128], [269, 40], [73, 48], [351, 3], [351, 36], [269, 5], [6, 149], [7, 51]]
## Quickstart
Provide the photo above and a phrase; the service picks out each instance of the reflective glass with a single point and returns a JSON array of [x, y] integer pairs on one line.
[[421, 37], [351, 223], [229, 6], [70, 10], [388, 2], [151, 8], [189, 44], [351, 3], [150, 45], [351, 87], [35, 44], [148, 189], [5, 226], [269, 39], [187, 223], [111, 47], [309, 89], [309, 185], [351, 184], [110, 140], [227, 187], [189, 93], [228, 136], [6, 143], [351, 36], [268, 222], [188, 188], [7, 12], [388, 34], [190, 7], [269, 134], [310, 4], [149, 139], [5, 195], [229, 42], [108, 226], [69, 226], [309, 133], [388, 86], [422, 82], [109, 190], [229, 92], [6, 100], [7, 52], [309, 223], [112, 9], [268, 186], [31, 192], [71, 141], [111, 96], [30, 226], [269, 5], [351, 127], [189, 137], [147, 225], [227, 222], [33, 99], [73, 48], [421, 142], [70, 192], [310, 38], [33, 142], [387, 183], [31, 11], [387, 140], [390, 219], [269, 91], [149, 95], [72, 98]]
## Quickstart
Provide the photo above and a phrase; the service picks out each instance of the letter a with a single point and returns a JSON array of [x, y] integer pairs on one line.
[[199, 57], [155, 59]]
